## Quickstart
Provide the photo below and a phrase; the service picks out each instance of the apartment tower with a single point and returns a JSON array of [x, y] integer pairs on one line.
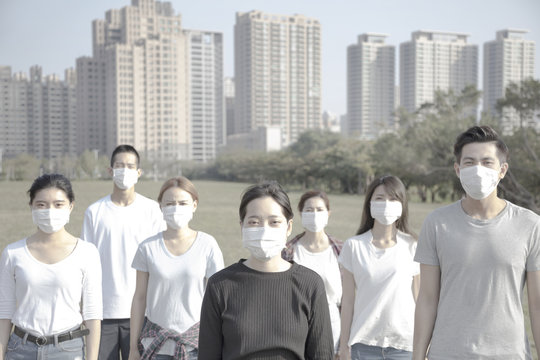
[[370, 86], [277, 73], [435, 60], [508, 58]]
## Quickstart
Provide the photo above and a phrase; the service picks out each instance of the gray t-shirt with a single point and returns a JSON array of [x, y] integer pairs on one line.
[[483, 269]]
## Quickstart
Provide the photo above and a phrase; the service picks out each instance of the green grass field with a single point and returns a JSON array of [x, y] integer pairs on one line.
[[217, 213]]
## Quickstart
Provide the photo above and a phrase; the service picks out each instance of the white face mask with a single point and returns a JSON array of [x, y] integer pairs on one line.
[[264, 243], [125, 178], [478, 181], [177, 216], [314, 221], [386, 212], [50, 220]]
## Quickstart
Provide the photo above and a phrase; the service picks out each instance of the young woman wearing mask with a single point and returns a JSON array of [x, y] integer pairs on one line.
[[50, 283], [317, 250], [172, 269], [380, 278], [265, 307]]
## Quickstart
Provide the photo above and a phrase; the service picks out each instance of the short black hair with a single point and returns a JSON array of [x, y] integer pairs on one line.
[[51, 181], [125, 149], [480, 134], [268, 188]]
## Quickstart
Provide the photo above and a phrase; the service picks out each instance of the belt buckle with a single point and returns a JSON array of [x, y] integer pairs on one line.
[[41, 340]]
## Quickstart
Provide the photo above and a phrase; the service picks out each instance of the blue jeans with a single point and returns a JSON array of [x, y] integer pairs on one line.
[[192, 355], [367, 352], [17, 349]]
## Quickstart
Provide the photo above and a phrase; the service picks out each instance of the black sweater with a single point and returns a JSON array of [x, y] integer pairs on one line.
[[248, 314]]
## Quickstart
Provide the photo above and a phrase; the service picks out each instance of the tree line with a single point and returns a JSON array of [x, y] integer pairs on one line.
[[419, 150]]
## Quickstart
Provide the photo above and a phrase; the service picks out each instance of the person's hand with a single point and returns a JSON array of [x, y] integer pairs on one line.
[[344, 353], [134, 355]]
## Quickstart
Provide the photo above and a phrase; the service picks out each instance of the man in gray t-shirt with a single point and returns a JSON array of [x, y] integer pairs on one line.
[[476, 256]]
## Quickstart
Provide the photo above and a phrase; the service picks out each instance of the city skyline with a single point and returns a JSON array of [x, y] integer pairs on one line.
[[64, 38]]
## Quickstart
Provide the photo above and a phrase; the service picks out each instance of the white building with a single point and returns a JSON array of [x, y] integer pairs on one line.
[[135, 89], [277, 73], [228, 91], [508, 58], [370, 86], [37, 114], [435, 60]]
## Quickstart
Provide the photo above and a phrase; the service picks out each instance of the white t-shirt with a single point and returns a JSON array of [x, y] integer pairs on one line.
[[325, 263], [45, 299], [117, 231], [384, 302], [176, 283], [483, 267]]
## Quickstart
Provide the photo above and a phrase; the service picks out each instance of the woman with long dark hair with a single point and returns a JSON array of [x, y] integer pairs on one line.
[[380, 278]]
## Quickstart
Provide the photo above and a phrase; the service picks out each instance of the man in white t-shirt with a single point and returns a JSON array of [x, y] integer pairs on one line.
[[117, 224], [476, 256]]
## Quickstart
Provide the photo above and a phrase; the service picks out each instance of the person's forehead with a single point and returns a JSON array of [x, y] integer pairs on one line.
[[314, 201], [479, 150], [125, 156], [50, 193], [176, 193], [265, 206], [380, 190]]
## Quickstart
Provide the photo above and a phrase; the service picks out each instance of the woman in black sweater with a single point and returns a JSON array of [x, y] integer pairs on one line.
[[265, 307]]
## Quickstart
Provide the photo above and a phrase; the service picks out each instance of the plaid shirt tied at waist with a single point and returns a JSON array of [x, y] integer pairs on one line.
[[189, 337]]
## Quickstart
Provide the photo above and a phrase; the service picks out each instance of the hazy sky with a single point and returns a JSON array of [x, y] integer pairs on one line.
[[53, 33]]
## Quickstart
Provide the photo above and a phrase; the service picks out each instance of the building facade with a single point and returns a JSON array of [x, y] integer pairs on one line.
[[277, 73], [435, 60], [135, 88], [37, 114], [508, 58], [370, 86]]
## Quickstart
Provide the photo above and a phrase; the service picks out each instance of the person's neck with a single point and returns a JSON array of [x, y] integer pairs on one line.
[[384, 236], [318, 240], [123, 197], [275, 264], [483, 209], [184, 233], [43, 237]]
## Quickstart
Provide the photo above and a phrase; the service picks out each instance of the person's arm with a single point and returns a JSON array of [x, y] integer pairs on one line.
[[5, 330], [210, 333], [138, 307], [533, 292], [426, 309], [92, 341], [416, 286], [347, 309]]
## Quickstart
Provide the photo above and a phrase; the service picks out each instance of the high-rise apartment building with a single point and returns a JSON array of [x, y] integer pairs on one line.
[[435, 60], [205, 93], [228, 91], [508, 58], [277, 73], [37, 113], [370, 86], [135, 89]]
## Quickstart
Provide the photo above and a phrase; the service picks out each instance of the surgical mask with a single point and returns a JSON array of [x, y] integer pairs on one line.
[[125, 178], [478, 181], [50, 220], [386, 212], [264, 243], [177, 216], [314, 221]]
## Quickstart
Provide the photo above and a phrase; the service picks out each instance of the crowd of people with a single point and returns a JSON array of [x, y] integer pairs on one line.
[[140, 283]]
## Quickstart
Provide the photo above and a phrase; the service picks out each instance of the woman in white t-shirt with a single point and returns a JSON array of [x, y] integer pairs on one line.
[[380, 278], [172, 269], [317, 250], [50, 283]]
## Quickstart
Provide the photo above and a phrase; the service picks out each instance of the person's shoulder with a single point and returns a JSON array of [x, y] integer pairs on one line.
[[359, 239], [143, 199], [16, 246], [87, 249], [95, 205], [151, 241], [522, 213], [206, 237], [228, 273], [407, 238]]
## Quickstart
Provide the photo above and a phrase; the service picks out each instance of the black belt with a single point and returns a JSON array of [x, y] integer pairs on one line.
[[44, 340]]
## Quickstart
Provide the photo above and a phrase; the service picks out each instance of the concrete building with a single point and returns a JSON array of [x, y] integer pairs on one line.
[[205, 93], [135, 88], [508, 58], [37, 114], [277, 73], [228, 90], [370, 86], [435, 60]]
